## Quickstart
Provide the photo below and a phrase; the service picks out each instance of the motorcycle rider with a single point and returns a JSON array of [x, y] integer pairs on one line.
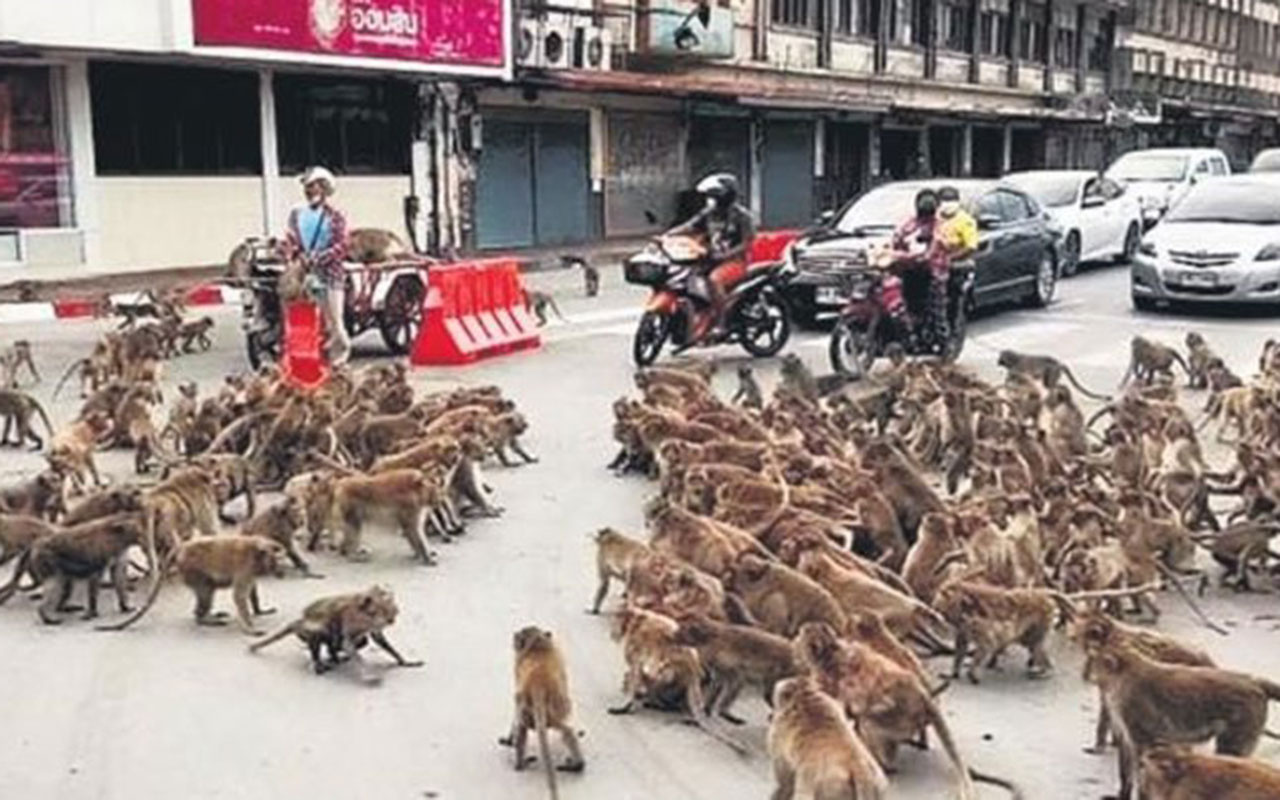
[[729, 229], [955, 241], [914, 237], [317, 233]]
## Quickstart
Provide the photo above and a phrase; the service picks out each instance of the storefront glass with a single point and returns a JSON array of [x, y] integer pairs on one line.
[[35, 172]]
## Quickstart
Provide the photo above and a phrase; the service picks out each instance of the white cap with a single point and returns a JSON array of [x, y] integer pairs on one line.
[[323, 175]]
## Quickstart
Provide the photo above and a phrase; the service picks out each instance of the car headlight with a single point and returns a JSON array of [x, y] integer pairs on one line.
[[1269, 253], [1147, 249]]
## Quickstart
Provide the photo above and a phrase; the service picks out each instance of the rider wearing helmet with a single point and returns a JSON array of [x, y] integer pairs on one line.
[[914, 236], [729, 230], [317, 234]]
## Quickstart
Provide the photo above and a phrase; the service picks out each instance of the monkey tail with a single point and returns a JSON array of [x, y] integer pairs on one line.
[[1071, 377], [966, 788], [1173, 578], [551, 301], [48, 426], [1182, 362], [272, 638], [1097, 415], [544, 747], [78, 362], [158, 570], [229, 432], [9, 589], [1272, 690], [1012, 788]]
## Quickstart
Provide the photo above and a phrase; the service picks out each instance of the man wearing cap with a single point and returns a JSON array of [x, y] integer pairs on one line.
[[318, 235]]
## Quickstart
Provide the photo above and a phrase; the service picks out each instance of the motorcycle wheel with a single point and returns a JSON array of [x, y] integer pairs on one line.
[[651, 335], [765, 326], [401, 316], [851, 350]]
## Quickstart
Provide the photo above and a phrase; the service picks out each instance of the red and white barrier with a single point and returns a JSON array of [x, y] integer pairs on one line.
[[473, 310], [85, 306]]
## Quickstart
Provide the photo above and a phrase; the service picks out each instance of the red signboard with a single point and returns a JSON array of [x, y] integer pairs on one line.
[[455, 33]]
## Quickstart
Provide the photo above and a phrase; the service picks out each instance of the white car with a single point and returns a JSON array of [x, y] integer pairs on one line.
[[1162, 176], [1099, 219], [1221, 244]]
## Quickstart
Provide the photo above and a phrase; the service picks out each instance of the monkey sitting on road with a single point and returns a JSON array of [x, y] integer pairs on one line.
[[1199, 356], [538, 302], [748, 394], [40, 496], [542, 703], [342, 625]]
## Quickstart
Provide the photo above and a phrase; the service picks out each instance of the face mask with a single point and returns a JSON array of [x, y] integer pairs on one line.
[[949, 208]]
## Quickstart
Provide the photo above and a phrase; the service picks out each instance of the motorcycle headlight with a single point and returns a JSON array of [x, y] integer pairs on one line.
[[1269, 253]]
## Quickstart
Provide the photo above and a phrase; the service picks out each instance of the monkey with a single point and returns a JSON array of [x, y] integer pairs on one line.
[[341, 624], [237, 473], [1219, 378], [14, 356], [375, 246], [1199, 356], [736, 656], [1150, 704], [542, 702], [590, 274], [184, 503], [748, 394], [195, 333], [40, 496], [798, 379], [71, 450], [404, 495], [781, 598], [1238, 546], [279, 523], [104, 503], [1148, 358], [814, 751], [992, 618], [616, 554], [220, 562], [903, 485], [18, 532], [504, 433], [539, 302], [182, 417], [1172, 773], [94, 371], [18, 408], [1045, 369], [870, 629], [80, 553]]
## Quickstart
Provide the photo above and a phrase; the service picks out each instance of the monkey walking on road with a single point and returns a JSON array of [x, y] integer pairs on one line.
[[542, 702], [538, 302], [590, 275]]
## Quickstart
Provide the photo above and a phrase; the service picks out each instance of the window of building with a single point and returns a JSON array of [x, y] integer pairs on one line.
[[1032, 45], [35, 174], [956, 27], [1099, 56], [922, 21], [160, 120], [844, 16], [993, 34], [797, 13], [1064, 47], [352, 125]]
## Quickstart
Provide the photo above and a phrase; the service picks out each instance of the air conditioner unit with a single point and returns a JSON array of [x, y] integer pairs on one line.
[[557, 42], [592, 48], [529, 43]]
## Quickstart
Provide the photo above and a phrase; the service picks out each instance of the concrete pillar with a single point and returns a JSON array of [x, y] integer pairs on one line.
[[966, 150], [756, 145], [1006, 157], [873, 155], [83, 166], [924, 153], [272, 223]]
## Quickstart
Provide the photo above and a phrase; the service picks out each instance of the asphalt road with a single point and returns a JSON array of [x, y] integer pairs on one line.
[[167, 709]]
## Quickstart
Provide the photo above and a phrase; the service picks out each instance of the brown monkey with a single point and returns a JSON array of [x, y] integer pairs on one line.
[[14, 356], [1152, 704], [71, 450], [40, 496], [18, 408], [1046, 369], [748, 394], [237, 473], [814, 751], [279, 523], [1199, 356], [616, 554], [220, 562], [542, 703], [1147, 358], [1171, 773], [375, 245], [781, 598], [405, 496], [196, 332], [903, 485], [342, 624], [736, 656], [871, 630], [539, 302], [992, 618], [798, 379], [590, 274], [104, 503]]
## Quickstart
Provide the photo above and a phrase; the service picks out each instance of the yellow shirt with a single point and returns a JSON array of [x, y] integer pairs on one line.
[[958, 233]]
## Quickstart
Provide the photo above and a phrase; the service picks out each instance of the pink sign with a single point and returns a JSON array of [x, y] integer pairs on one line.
[[461, 33]]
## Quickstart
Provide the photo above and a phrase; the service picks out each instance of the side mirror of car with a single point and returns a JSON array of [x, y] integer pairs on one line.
[[1093, 201], [827, 217], [988, 221]]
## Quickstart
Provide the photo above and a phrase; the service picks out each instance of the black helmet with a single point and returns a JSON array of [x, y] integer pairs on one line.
[[720, 187], [948, 194], [926, 202]]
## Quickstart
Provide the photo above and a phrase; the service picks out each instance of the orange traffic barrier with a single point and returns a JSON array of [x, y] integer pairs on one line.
[[473, 310], [303, 361]]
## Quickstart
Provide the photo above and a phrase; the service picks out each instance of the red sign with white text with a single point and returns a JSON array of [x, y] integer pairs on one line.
[[459, 33]]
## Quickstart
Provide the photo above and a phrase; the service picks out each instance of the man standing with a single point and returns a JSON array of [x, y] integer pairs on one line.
[[318, 235]]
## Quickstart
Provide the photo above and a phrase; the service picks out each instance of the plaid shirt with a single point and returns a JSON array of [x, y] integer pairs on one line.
[[326, 261]]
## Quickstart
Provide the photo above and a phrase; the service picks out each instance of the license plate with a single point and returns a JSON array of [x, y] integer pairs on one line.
[[830, 295], [1199, 279]]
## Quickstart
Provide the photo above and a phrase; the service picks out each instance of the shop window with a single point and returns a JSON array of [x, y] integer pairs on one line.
[[35, 175], [796, 13], [154, 120], [844, 16], [353, 126]]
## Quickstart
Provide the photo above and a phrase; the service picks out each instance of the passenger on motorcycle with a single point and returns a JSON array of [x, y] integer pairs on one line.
[[955, 240], [729, 230]]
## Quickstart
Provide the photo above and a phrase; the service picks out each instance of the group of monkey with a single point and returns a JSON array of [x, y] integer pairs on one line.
[[360, 449], [817, 547]]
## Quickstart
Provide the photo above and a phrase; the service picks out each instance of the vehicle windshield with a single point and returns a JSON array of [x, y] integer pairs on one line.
[[1150, 167], [1249, 203], [1266, 161], [881, 210], [1053, 191]]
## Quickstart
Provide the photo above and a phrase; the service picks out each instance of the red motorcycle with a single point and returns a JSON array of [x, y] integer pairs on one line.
[[755, 314]]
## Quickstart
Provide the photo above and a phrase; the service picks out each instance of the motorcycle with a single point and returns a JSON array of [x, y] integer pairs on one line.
[[755, 314], [865, 330]]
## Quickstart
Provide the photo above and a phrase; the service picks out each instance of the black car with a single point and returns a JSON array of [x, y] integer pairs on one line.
[[1017, 256]]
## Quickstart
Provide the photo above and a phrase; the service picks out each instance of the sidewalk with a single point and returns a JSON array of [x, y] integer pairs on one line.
[[80, 281]]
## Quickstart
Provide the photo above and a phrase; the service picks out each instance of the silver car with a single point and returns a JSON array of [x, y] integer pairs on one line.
[[1220, 244]]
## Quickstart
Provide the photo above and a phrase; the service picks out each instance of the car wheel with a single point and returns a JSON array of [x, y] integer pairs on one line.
[[1046, 283], [1143, 303], [1071, 254], [1132, 238]]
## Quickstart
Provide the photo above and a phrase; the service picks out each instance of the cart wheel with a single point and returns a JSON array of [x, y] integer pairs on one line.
[[260, 351], [401, 317]]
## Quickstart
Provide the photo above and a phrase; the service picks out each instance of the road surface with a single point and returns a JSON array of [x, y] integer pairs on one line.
[[167, 709]]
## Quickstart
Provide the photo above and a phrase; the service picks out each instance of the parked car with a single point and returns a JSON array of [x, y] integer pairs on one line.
[[1266, 160], [1098, 217], [1220, 244], [1017, 256], [1160, 177]]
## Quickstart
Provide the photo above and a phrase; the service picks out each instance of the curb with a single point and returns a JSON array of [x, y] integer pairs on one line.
[[81, 307]]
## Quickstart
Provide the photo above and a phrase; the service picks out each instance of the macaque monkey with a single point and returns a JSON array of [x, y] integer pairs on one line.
[[404, 496], [279, 523], [782, 598], [104, 503], [219, 562], [616, 554], [1147, 358], [374, 246], [18, 532], [748, 394], [590, 275], [18, 408], [40, 496], [815, 753], [1172, 773], [993, 618], [14, 356], [542, 703], [71, 450], [195, 333], [342, 624], [1045, 369], [736, 656], [539, 302], [1199, 356]]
